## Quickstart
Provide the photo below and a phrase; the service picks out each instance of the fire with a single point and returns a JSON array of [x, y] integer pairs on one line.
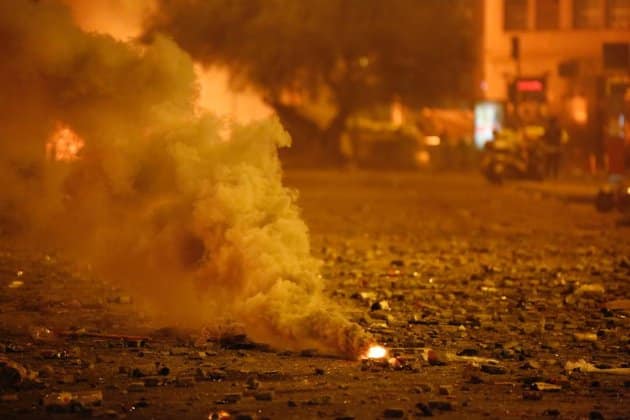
[[216, 96], [375, 352], [64, 144], [123, 20], [220, 415]]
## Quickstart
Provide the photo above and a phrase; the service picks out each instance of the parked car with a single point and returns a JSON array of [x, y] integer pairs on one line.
[[613, 196]]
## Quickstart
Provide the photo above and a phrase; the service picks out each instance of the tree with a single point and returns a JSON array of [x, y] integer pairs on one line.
[[355, 53]]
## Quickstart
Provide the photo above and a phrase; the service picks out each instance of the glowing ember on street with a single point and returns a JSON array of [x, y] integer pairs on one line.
[[64, 144], [219, 415], [375, 352]]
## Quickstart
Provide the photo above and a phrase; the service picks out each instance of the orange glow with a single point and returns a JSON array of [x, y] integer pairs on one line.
[[432, 140], [122, 19], [216, 96], [578, 107], [219, 415], [422, 157], [397, 115], [375, 352], [64, 144]]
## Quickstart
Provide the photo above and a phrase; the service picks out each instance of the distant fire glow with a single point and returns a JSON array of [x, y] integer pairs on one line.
[[376, 352], [64, 145], [579, 109], [432, 140]]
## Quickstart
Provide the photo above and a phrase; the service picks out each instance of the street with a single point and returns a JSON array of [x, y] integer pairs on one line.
[[494, 302]]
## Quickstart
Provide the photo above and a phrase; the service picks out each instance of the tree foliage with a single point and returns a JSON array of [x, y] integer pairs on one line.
[[361, 52]]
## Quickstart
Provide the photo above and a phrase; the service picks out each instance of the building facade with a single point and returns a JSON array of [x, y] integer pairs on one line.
[[566, 58]]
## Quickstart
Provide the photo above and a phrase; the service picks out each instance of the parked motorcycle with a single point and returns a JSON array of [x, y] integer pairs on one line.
[[506, 158]]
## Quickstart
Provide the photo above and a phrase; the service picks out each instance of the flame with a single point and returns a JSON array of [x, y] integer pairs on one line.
[[123, 19], [216, 96], [64, 144], [432, 140], [578, 107], [375, 352], [220, 415], [397, 113]]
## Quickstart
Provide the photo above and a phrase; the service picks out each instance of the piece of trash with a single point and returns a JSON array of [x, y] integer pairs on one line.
[[590, 289], [233, 397], [252, 383], [544, 386], [471, 359], [394, 413], [72, 401], [365, 296], [13, 374], [619, 304], [440, 405], [136, 387], [532, 395], [431, 356], [153, 381], [493, 369], [381, 305], [585, 336], [264, 396], [583, 366], [445, 390], [40, 333], [395, 363], [185, 381]]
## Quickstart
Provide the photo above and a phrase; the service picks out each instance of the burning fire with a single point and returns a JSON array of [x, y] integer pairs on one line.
[[375, 352], [64, 144]]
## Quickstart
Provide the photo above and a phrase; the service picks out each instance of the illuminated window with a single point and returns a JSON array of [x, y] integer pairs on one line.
[[618, 14], [588, 14], [547, 14], [515, 15]]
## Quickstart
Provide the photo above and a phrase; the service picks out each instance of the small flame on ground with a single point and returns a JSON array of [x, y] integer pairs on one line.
[[64, 144], [220, 415], [375, 352]]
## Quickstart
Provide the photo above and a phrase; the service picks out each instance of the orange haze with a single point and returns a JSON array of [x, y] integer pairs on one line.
[[123, 19]]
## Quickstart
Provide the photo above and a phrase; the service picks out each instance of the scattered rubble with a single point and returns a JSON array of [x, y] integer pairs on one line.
[[78, 401], [474, 327]]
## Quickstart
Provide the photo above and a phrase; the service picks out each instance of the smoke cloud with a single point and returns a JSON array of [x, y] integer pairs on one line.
[[197, 226]]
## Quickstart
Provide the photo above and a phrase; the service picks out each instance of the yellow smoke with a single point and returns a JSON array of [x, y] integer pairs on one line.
[[199, 228]]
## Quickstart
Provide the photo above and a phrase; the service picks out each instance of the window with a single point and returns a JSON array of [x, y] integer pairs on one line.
[[547, 14], [588, 14], [618, 14], [515, 15], [616, 55]]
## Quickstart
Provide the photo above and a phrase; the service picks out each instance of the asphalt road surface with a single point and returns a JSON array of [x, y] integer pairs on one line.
[[494, 302]]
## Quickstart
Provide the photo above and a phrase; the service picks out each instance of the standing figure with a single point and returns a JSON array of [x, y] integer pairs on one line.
[[553, 142]]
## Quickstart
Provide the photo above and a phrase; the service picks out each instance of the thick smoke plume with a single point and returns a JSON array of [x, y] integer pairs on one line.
[[199, 227]]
